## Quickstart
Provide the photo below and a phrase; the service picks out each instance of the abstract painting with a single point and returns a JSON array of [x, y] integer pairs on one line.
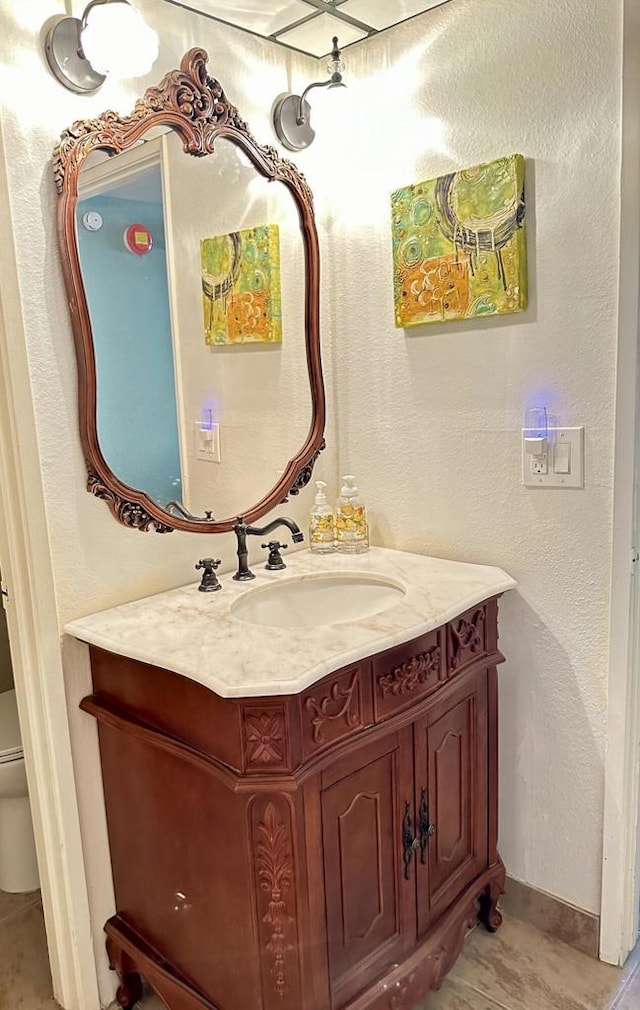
[[459, 248], [241, 286]]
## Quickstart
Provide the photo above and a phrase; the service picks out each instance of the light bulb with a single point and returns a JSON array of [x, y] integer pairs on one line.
[[116, 40]]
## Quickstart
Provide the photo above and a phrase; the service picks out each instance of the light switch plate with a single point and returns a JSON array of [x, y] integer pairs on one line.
[[571, 437], [208, 443]]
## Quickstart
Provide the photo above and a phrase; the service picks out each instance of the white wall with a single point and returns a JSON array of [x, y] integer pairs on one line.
[[439, 458], [98, 563], [429, 419]]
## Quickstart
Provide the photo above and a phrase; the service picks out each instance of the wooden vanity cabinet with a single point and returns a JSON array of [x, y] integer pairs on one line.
[[321, 851], [428, 781]]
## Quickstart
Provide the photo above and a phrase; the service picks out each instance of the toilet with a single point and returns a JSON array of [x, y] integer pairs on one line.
[[18, 865]]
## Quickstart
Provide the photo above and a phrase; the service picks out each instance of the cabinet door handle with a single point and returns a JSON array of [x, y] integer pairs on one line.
[[426, 828], [409, 842]]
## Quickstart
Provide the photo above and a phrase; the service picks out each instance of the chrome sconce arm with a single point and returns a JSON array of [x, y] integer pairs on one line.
[[291, 113]]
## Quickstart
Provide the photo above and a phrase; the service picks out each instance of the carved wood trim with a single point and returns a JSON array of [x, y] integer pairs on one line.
[[193, 104], [467, 636], [490, 914], [406, 677], [110, 715], [265, 738], [491, 730], [127, 512], [129, 990], [321, 707], [276, 900], [306, 472], [456, 738], [424, 970], [355, 811], [275, 875], [132, 957]]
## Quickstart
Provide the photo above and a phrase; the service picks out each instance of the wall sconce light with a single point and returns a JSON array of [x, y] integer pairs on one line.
[[291, 114], [111, 37]]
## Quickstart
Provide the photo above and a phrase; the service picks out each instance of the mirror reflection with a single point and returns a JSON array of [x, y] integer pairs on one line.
[[194, 272]]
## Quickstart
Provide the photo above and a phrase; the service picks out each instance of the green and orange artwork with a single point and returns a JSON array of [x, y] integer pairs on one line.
[[459, 247], [241, 286]]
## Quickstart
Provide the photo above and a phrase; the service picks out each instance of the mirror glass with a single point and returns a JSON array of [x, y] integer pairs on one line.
[[194, 273]]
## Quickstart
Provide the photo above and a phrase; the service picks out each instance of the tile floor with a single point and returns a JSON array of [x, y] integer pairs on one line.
[[25, 981], [518, 968]]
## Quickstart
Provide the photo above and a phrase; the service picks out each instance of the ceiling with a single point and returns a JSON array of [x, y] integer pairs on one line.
[[309, 25]]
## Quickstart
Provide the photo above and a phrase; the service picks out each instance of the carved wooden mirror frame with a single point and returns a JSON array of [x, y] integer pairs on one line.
[[195, 106]]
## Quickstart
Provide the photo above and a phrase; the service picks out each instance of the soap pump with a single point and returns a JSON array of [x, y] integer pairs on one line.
[[352, 531], [322, 523]]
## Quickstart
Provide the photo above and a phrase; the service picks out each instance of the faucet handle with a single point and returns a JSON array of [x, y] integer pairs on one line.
[[274, 561], [209, 582]]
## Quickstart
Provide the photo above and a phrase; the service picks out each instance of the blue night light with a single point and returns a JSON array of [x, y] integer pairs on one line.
[[536, 430]]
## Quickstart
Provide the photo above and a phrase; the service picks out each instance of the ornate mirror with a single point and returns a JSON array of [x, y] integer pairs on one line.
[[193, 285]]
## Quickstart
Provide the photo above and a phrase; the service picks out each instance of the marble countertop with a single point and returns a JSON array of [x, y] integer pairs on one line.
[[196, 635]]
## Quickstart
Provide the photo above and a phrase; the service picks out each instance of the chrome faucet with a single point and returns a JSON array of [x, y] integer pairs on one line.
[[242, 531]]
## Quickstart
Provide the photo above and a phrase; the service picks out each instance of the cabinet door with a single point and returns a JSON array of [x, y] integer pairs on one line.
[[451, 797], [370, 905]]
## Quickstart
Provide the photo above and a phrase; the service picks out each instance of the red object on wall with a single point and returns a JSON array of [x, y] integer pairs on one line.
[[138, 239]]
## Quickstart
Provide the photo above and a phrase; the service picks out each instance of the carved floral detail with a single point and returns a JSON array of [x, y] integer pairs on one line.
[[467, 636], [265, 737], [186, 93], [127, 512], [322, 708], [192, 102], [408, 676], [275, 875], [305, 474]]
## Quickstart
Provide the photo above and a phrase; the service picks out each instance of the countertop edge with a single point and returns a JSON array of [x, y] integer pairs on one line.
[[312, 674]]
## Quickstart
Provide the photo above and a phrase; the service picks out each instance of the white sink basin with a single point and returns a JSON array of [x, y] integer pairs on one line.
[[307, 601]]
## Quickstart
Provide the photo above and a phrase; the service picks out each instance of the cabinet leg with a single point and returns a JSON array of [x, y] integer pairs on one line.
[[489, 912], [129, 991], [130, 988]]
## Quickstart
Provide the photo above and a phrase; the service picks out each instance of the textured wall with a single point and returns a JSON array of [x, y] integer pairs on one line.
[[429, 417], [98, 563]]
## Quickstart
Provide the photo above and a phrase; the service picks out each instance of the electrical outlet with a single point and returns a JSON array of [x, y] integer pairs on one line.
[[208, 443], [562, 466], [539, 464]]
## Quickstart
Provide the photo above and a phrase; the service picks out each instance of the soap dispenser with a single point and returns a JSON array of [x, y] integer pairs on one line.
[[352, 531], [322, 523]]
